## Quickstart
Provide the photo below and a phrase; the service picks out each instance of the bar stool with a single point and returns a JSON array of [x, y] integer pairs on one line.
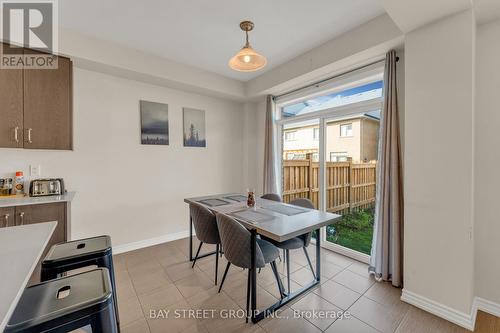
[[66, 304], [80, 253]]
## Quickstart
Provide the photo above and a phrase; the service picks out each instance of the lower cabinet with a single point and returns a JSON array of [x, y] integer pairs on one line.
[[30, 214]]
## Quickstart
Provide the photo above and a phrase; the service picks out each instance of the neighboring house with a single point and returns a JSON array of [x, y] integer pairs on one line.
[[355, 137]]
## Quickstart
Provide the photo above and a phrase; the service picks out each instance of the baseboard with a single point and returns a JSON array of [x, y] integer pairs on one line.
[[486, 306], [150, 242], [457, 317], [463, 319]]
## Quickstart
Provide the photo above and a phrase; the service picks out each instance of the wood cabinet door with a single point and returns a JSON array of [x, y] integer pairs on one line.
[[7, 217], [44, 213], [11, 104], [48, 107]]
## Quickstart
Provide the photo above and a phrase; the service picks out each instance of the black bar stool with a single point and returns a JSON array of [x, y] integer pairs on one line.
[[80, 253], [66, 304]]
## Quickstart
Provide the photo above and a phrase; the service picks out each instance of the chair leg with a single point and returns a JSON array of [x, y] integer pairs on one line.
[[287, 253], [197, 253], [216, 261], [278, 279], [259, 271], [309, 261], [224, 276], [248, 294]]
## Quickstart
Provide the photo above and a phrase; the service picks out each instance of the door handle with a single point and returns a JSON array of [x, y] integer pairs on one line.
[[16, 137], [29, 135], [6, 217], [21, 215]]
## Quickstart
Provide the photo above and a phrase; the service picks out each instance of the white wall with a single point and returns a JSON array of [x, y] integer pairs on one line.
[[438, 254], [131, 191], [255, 121], [487, 156]]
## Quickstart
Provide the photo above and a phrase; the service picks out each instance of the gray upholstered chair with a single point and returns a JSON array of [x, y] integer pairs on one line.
[[298, 242], [205, 226], [271, 196], [236, 240]]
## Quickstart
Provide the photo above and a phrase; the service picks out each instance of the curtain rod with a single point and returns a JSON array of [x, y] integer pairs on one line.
[[316, 84]]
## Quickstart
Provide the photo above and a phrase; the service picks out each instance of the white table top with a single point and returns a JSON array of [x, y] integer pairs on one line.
[[267, 222], [20, 250]]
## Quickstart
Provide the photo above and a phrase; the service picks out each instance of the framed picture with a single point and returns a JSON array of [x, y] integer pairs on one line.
[[154, 123], [194, 128]]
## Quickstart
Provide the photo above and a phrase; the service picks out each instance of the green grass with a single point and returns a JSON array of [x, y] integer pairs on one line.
[[354, 230]]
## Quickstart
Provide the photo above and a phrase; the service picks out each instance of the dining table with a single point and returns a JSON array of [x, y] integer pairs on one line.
[[275, 220]]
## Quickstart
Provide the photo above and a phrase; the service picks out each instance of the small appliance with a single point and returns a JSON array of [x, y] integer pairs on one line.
[[44, 187]]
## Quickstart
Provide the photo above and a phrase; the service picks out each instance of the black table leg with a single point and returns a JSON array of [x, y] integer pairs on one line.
[[289, 297], [253, 241], [190, 238], [318, 256]]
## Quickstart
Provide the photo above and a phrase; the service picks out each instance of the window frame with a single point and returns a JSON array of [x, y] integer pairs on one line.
[[290, 132], [347, 135], [315, 133]]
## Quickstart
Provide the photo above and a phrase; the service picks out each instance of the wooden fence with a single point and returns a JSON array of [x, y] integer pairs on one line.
[[348, 185]]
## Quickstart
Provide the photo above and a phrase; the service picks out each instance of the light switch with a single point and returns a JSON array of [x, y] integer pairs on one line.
[[35, 170]]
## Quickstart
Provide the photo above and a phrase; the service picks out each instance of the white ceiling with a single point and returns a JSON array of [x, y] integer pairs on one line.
[[412, 14], [487, 10], [206, 33]]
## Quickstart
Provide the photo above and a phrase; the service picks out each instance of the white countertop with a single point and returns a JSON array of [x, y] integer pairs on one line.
[[27, 200], [20, 250]]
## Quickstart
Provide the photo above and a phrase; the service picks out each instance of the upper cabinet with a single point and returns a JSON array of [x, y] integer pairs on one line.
[[37, 107], [11, 107]]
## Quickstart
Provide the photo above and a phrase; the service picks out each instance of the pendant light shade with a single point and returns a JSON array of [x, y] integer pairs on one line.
[[247, 59]]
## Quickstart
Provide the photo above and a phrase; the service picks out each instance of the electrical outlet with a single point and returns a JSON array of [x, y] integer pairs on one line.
[[35, 170]]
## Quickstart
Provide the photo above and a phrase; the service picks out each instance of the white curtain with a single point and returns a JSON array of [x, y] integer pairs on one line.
[[386, 261], [271, 162]]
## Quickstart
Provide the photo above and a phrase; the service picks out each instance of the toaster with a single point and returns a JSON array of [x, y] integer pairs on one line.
[[44, 187]]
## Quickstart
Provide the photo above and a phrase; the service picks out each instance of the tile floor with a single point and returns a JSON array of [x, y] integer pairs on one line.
[[161, 278]]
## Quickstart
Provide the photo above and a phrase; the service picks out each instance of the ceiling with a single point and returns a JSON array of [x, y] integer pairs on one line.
[[487, 10], [205, 33]]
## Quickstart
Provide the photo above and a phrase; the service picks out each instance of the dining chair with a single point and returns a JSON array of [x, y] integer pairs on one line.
[[271, 196], [298, 242], [236, 240], [205, 226]]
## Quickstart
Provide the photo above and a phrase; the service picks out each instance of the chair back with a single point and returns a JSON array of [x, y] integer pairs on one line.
[[271, 196], [302, 202], [205, 224], [236, 240], [305, 203]]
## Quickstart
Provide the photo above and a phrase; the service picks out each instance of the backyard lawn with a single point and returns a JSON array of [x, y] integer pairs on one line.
[[354, 230]]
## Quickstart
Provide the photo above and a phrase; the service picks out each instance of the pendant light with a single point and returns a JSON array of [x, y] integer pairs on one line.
[[247, 59]]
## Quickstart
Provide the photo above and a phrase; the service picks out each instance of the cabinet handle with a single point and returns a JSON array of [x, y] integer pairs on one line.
[[6, 217], [29, 135], [21, 215], [16, 137]]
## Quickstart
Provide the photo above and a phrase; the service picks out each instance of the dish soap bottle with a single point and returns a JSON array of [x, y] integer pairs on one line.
[[19, 183]]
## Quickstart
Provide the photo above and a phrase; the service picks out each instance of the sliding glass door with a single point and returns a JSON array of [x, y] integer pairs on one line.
[[351, 151], [329, 155], [300, 160]]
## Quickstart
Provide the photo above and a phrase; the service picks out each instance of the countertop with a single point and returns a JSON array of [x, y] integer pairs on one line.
[[27, 200], [20, 250]]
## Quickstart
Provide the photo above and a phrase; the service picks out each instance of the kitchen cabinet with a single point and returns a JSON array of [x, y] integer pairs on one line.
[[7, 217], [37, 107], [38, 213], [11, 106]]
